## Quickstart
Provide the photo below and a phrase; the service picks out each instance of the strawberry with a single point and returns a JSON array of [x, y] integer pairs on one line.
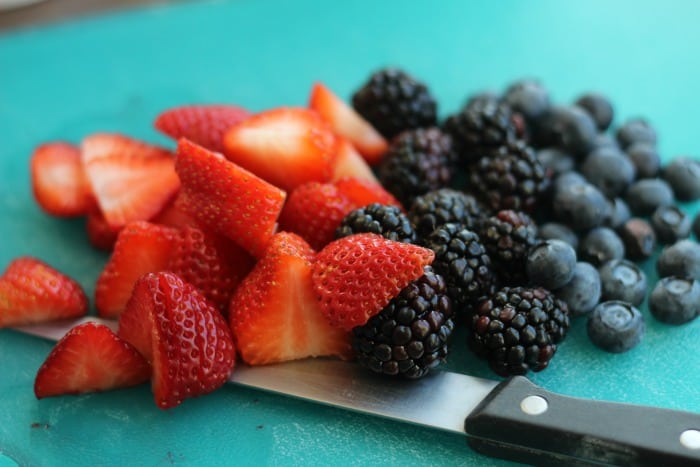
[[226, 198], [131, 180], [89, 358], [274, 313], [174, 215], [58, 180], [201, 124], [355, 277], [284, 146], [186, 340], [314, 210], [363, 192], [33, 292], [349, 163], [100, 234], [346, 122]]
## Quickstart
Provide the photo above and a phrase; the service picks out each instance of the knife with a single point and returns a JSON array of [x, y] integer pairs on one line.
[[513, 419]]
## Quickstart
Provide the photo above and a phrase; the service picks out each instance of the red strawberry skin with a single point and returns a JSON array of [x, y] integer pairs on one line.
[[187, 341], [33, 292], [90, 358], [274, 314], [286, 146], [355, 277], [202, 124], [363, 192], [58, 180], [100, 234], [226, 198]]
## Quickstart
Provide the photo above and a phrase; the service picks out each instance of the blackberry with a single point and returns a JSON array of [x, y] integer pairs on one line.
[[609, 170], [583, 291], [644, 196], [616, 326], [569, 128], [481, 99], [508, 237], [550, 264], [635, 130], [418, 161], [600, 245], [410, 335], [393, 101], [480, 127], [518, 329], [510, 177], [682, 259], [435, 208], [462, 260], [675, 300], [599, 107], [645, 158], [623, 280], [387, 221], [670, 224], [683, 175]]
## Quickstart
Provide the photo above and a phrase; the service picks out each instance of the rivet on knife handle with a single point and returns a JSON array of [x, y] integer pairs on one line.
[[521, 421]]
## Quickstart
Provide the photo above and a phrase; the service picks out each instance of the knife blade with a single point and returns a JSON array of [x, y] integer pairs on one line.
[[513, 419]]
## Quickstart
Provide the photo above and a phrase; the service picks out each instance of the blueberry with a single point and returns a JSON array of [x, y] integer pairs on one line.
[[635, 130], [682, 259], [604, 140], [569, 128], [670, 224], [616, 326], [608, 169], [568, 179], [644, 196], [623, 280], [599, 107], [683, 174], [696, 225], [529, 98], [618, 214], [556, 161], [583, 291], [645, 159], [600, 245], [639, 238], [556, 231], [675, 300], [550, 264], [580, 206]]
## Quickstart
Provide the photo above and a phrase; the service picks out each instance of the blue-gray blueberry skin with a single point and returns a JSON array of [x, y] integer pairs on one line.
[[682, 259], [601, 245], [635, 130], [568, 127], [645, 158], [582, 292], [557, 231], [568, 179], [623, 280], [616, 326], [556, 161], [683, 174], [581, 206], [598, 107], [550, 264], [675, 300], [610, 170], [618, 214], [529, 98], [644, 196], [670, 224], [604, 140]]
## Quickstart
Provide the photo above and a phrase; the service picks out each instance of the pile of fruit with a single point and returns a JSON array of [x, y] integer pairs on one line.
[[363, 231]]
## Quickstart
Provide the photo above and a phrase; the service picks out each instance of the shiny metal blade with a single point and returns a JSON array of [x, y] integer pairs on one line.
[[441, 400]]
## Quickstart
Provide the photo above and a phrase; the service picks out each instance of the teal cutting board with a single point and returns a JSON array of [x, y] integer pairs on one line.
[[116, 72]]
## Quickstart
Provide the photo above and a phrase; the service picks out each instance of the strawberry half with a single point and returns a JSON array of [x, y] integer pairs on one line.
[[285, 146], [131, 180], [349, 163], [100, 234], [33, 292], [355, 277], [227, 198], [274, 314], [347, 123], [363, 192], [90, 358], [58, 180], [201, 124], [187, 341]]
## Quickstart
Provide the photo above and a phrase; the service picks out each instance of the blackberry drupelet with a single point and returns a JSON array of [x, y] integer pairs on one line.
[[462, 260], [508, 236], [435, 208], [410, 335], [418, 161], [510, 177], [387, 221], [393, 101], [518, 329]]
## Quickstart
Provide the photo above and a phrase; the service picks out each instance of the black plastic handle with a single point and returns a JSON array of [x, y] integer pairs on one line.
[[522, 422]]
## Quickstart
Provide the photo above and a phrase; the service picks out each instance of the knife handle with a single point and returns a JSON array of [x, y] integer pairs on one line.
[[522, 422]]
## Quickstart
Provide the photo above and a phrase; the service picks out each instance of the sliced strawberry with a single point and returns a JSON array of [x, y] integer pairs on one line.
[[100, 234], [226, 198], [33, 292], [347, 123], [349, 163], [355, 277], [285, 146], [175, 215], [90, 358], [313, 211], [363, 192], [274, 314], [140, 248], [187, 341], [201, 124], [58, 180], [131, 180]]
